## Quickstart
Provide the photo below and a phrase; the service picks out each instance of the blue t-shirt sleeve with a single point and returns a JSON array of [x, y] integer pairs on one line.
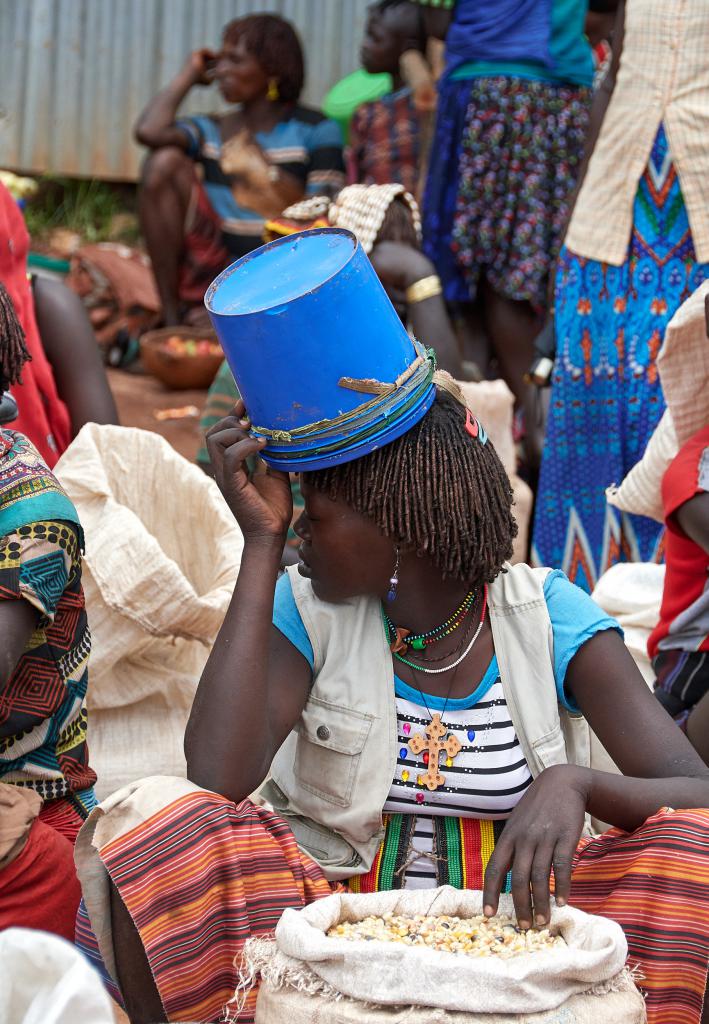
[[286, 618], [575, 618], [326, 135], [191, 129]]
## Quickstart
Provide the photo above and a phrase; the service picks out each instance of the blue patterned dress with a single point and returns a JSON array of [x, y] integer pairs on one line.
[[606, 396]]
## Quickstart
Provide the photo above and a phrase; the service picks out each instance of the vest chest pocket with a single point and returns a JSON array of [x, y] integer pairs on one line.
[[551, 749], [329, 750]]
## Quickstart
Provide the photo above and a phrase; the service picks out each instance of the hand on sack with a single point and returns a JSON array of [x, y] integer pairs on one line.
[[263, 505], [542, 832]]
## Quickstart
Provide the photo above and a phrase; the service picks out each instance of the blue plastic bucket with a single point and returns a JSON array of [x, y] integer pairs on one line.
[[325, 367]]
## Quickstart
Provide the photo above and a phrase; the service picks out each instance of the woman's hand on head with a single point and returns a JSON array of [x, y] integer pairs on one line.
[[541, 833], [262, 505], [201, 66]]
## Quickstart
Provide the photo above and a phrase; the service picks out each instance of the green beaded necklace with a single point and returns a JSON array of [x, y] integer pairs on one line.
[[420, 641]]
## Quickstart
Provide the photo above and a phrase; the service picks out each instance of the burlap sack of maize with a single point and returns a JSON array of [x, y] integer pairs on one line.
[[305, 974], [162, 555]]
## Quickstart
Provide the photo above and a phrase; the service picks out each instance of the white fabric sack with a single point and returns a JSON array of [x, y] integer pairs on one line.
[[45, 980], [683, 364], [617, 1003], [162, 555], [640, 492], [632, 593], [390, 974]]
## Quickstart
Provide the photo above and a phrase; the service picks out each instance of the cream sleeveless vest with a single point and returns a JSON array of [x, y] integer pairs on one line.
[[331, 777]]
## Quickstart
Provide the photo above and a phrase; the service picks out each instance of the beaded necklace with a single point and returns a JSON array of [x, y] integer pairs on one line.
[[436, 738], [420, 641], [446, 668]]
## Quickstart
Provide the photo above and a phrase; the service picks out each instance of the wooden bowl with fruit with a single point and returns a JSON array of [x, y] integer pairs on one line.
[[182, 357]]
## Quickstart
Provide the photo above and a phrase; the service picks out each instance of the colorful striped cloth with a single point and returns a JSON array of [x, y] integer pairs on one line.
[[201, 876], [461, 849], [655, 883]]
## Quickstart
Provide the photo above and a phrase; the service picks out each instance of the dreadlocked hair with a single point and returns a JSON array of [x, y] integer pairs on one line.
[[13, 350], [435, 490]]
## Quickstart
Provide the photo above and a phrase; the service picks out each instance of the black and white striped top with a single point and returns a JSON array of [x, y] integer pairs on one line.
[[486, 779]]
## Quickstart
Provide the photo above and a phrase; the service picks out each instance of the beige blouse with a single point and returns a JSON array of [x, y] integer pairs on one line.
[[663, 78]]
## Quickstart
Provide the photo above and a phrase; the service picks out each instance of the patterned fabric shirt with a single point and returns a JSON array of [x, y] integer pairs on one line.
[[42, 707], [486, 779], [384, 139], [306, 148], [664, 72]]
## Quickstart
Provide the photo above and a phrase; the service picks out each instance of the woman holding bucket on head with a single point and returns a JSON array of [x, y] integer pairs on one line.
[[402, 618]]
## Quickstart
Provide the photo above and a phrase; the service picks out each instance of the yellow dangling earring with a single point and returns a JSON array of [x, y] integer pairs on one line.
[[273, 94]]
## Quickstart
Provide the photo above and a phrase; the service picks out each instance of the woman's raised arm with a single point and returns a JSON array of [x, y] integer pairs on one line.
[[255, 683], [156, 125]]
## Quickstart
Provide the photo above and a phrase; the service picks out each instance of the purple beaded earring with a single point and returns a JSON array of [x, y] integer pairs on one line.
[[394, 581]]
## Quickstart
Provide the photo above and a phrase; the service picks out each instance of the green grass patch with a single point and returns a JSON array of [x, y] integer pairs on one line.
[[96, 210]]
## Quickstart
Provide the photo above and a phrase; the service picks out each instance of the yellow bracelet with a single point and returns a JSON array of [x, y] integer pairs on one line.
[[425, 288]]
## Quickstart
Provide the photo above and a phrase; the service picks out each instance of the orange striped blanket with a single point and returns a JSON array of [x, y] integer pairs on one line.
[[200, 876]]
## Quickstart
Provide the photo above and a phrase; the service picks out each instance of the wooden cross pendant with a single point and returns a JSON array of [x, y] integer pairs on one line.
[[452, 746], [399, 644]]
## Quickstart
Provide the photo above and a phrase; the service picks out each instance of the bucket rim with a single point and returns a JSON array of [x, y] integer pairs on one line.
[[276, 242], [306, 461]]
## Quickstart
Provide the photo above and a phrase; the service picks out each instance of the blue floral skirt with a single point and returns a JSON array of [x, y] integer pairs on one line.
[[606, 397], [503, 164]]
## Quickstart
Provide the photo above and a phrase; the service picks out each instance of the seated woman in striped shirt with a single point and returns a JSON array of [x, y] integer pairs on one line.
[[420, 708], [211, 181]]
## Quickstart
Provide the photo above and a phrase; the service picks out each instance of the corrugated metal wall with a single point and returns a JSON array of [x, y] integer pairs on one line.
[[74, 74]]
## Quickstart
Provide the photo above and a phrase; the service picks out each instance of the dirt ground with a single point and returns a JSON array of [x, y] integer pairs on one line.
[[139, 396]]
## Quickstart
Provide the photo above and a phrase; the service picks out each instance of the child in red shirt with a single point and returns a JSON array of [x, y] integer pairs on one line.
[[679, 644]]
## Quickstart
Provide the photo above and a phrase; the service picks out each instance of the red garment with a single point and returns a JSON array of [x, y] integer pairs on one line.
[[40, 889], [684, 614], [205, 255], [63, 817], [43, 416]]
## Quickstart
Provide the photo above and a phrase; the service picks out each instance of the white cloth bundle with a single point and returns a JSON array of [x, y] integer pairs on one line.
[[162, 555], [393, 975]]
